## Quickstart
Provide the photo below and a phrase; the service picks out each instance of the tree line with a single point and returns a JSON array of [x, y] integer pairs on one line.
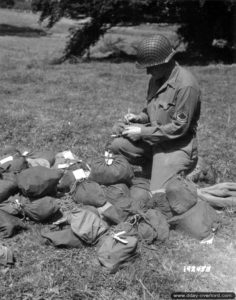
[[206, 26]]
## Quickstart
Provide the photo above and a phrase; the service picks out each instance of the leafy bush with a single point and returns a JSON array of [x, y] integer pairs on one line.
[[7, 3], [207, 26]]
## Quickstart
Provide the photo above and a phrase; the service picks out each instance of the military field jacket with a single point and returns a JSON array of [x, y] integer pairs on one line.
[[173, 109]]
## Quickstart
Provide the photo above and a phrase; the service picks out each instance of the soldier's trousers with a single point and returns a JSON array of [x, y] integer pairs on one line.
[[164, 160]]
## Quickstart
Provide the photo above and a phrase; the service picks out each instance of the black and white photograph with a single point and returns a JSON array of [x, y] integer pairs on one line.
[[117, 149]]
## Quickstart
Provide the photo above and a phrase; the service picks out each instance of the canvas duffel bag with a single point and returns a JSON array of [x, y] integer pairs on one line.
[[87, 225], [140, 194], [9, 225], [66, 159], [153, 226], [199, 221], [181, 194], [116, 191], [41, 209], [64, 238], [161, 202], [112, 214], [69, 179], [112, 253], [112, 170], [37, 182], [7, 188], [89, 193], [11, 205], [40, 158], [13, 163], [118, 211]]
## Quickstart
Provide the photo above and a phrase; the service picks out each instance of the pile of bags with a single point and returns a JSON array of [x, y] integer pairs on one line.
[[114, 209]]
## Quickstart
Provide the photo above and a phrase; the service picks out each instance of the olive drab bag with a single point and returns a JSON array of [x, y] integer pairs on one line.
[[161, 202], [65, 159], [69, 179], [181, 194], [111, 169], [115, 191], [123, 203], [13, 163], [11, 205], [199, 221], [9, 225], [37, 182], [112, 253], [89, 193], [87, 225], [64, 238], [116, 211], [140, 194], [40, 158], [40, 210], [67, 182], [112, 214], [153, 226], [7, 188]]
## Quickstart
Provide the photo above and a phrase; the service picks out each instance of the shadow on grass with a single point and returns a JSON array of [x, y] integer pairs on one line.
[[11, 30], [184, 58]]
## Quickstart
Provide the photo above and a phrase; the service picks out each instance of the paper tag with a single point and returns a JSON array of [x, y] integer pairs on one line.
[[7, 159], [79, 174], [68, 155], [87, 173], [25, 153], [108, 158], [208, 240], [62, 166], [103, 208]]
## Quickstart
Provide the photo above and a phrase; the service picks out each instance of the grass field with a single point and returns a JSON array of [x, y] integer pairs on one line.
[[73, 106]]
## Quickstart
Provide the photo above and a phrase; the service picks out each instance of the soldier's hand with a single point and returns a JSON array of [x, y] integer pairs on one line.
[[132, 132], [131, 118]]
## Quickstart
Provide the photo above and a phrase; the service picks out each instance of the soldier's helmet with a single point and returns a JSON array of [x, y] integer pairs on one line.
[[154, 51]]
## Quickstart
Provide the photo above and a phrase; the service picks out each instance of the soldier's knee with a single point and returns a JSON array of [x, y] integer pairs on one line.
[[117, 145]]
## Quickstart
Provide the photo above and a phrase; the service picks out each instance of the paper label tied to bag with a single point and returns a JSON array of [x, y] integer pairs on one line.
[[68, 155], [108, 158], [25, 153], [79, 174], [6, 159]]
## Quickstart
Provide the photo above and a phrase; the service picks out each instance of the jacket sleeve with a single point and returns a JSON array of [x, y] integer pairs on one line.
[[143, 117], [186, 112]]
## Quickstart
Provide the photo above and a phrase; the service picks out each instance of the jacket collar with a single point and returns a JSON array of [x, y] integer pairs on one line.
[[171, 81]]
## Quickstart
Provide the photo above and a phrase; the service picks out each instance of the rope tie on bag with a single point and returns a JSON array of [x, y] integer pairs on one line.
[[16, 204], [78, 181]]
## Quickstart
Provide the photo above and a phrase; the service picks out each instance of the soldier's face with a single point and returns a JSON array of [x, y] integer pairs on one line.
[[158, 71]]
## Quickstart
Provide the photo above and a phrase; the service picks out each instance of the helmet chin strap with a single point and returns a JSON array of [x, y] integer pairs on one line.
[[170, 56]]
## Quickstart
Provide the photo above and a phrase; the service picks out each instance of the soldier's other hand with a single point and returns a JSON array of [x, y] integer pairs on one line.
[[118, 128], [132, 132], [130, 118]]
